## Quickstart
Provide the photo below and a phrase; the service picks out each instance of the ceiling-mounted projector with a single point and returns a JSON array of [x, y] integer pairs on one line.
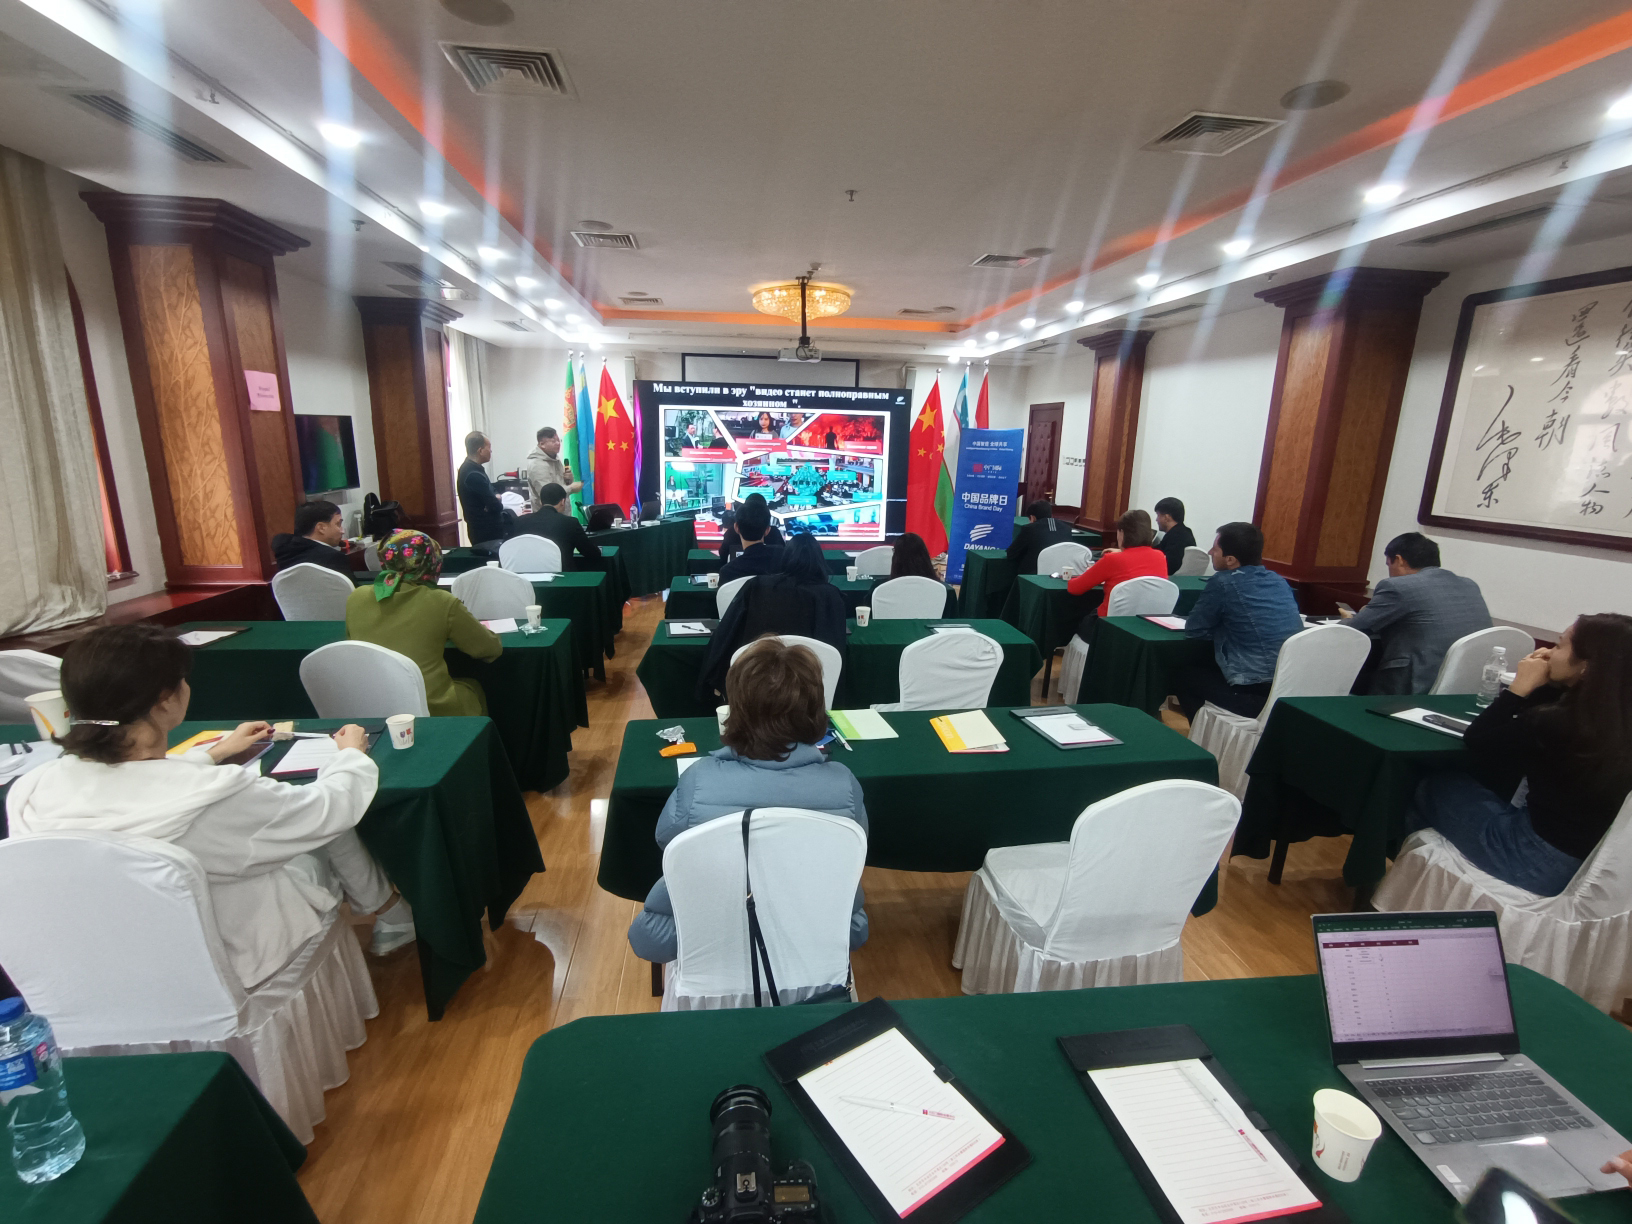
[[803, 352]]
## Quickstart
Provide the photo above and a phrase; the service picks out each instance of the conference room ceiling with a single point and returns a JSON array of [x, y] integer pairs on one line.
[[726, 136]]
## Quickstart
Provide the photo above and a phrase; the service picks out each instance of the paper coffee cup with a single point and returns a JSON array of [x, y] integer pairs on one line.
[[714, 581], [1345, 1129], [50, 713], [535, 613], [864, 615], [401, 727], [721, 713], [850, 572]]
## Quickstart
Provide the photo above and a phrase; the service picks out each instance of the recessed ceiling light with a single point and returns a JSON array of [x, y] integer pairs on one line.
[[526, 282], [435, 208], [968, 344], [1535, 359], [490, 254], [992, 335], [1237, 246], [1383, 193], [1028, 322], [339, 135], [552, 303], [572, 318], [1148, 280], [1621, 108], [1072, 307]]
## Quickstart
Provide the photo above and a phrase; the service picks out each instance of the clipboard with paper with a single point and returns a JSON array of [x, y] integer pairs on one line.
[[1191, 1137]]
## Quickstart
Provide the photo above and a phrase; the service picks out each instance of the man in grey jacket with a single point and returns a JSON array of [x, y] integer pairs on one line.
[[1414, 616]]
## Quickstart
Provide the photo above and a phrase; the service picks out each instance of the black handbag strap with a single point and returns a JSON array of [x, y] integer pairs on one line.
[[756, 937]]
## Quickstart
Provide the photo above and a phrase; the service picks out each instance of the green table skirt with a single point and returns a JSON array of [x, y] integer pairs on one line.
[[169, 1139], [928, 809], [535, 689], [707, 560], [690, 600], [1132, 662], [1045, 610], [650, 554], [871, 674], [1328, 766], [649, 1080], [988, 575]]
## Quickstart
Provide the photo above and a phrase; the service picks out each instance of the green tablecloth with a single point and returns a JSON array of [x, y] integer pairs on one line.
[[987, 576], [928, 809], [1045, 610], [648, 1081], [611, 564], [650, 554], [689, 600], [535, 689], [1132, 662], [707, 560], [1328, 765], [458, 560], [871, 675], [169, 1139]]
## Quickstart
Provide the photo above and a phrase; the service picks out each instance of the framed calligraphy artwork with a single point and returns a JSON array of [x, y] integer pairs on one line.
[[1535, 430]]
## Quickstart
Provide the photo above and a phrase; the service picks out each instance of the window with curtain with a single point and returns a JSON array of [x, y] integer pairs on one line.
[[115, 551]]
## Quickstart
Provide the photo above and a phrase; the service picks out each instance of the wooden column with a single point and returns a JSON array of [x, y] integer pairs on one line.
[[198, 303], [1346, 343], [407, 385], [1113, 419]]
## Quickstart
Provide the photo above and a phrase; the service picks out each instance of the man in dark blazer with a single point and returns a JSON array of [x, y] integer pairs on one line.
[[1043, 529], [555, 521], [1414, 616], [758, 556], [1176, 537], [315, 541]]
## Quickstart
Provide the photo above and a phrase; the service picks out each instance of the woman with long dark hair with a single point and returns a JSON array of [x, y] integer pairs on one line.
[[910, 558], [1559, 743]]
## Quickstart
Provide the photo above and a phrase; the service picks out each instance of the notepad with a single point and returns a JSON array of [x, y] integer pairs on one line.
[[505, 624], [306, 756], [447, 580], [203, 637], [688, 629], [541, 577], [682, 764], [202, 739], [910, 1158], [1418, 717], [862, 725], [1070, 730], [952, 629], [1168, 622], [970, 731], [1212, 1163]]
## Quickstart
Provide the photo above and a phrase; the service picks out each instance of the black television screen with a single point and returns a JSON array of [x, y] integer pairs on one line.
[[328, 455]]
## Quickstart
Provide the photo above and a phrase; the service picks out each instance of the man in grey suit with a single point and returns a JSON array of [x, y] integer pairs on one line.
[[1414, 616]]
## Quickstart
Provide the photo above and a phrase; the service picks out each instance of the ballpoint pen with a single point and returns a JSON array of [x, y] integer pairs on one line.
[[897, 1107], [1226, 1109]]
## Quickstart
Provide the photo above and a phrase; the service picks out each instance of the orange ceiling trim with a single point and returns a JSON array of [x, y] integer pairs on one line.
[[1608, 37], [611, 314], [367, 48]]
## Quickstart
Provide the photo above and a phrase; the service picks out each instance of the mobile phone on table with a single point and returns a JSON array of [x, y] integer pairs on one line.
[[1344, 608], [1501, 1198]]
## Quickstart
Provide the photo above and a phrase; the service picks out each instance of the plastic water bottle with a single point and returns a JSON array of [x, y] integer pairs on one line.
[[1490, 680], [46, 1139]]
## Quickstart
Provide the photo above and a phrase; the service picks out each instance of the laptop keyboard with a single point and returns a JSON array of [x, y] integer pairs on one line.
[[1491, 1105]]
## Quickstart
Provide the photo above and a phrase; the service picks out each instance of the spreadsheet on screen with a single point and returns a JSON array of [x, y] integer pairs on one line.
[[1399, 985]]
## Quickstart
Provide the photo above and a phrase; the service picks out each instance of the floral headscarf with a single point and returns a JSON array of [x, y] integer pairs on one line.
[[407, 557]]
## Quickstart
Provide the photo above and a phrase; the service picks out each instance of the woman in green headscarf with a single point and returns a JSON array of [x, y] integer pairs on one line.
[[407, 612]]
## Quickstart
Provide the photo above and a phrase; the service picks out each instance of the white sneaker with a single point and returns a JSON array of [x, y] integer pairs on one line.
[[392, 930]]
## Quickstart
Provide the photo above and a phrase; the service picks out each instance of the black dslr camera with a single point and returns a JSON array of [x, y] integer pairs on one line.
[[744, 1190]]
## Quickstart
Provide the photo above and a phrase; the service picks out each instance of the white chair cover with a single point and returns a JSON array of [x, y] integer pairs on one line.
[[493, 593], [830, 659], [114, 938], [22, 674], [307, 592], [530, 554], [371, 557], [1146, 596], [362, 680], [727, 591], [805, 868], [947, 671], [1072, 665], [909, 598], [1106, 908], [1581, 938], [1195, 563], [1464, 663], [1318, 662], [511, 500], [875, 562], [1056, 556]]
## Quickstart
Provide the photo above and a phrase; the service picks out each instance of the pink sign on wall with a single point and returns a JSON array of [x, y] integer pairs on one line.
[[263, 391]]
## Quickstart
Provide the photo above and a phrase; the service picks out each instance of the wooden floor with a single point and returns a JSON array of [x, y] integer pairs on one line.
[[409, 1138]]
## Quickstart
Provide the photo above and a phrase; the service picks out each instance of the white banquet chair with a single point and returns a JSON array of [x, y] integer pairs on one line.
[[362, 680], [947, 671], [1057, 556], [308, 592], [22, 674], [1463, 666], [114, 938], [1196, 563], [909, 598], [875, 562], [530, 554], [1581, 938], [1144, 596], [1105, 908], [805, 868], [1318, 662], [727, 591], [832, 662], [493, 593]]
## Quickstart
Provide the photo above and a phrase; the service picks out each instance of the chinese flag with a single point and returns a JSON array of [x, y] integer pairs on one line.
[[929, 490], [614, 447], [983, 408]]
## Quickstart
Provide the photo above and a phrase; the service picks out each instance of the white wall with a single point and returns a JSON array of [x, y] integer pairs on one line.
[[1069, 379], [1531, 582]]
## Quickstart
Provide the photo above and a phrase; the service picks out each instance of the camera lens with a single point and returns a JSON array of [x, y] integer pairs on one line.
[[741, 1096]]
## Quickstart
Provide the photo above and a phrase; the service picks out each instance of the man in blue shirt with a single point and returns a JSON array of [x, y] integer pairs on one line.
[[1247, 611]]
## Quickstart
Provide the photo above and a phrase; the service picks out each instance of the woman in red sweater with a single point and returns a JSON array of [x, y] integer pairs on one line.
[[1135, 559]]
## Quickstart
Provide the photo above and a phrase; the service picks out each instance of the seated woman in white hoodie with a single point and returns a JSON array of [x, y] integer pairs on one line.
[[273, 853]]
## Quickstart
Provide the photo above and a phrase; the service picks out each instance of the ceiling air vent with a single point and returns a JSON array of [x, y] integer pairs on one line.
[[515, 325], [1167, 314], [1001, 261], [112, 106], [616, 242], [931, 312], [447, 293], [1481, 227], [641, 301], [415, 272], [1211, 135], [515, 71]]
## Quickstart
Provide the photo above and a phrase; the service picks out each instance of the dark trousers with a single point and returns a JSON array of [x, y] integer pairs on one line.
[[1200, 683]]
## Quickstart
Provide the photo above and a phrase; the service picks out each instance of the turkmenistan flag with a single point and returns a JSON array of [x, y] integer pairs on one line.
[[570, 454], [929, 488]]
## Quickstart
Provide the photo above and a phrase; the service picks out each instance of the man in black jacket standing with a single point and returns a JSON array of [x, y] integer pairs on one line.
[[1176, 536], [315, 541], [557, 522], [1043, 529], [484, 513]]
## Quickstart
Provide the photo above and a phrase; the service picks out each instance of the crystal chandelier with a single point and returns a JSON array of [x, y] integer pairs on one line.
[[784, 299]]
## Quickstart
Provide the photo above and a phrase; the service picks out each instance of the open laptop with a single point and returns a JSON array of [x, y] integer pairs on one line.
[[1422, 1026]]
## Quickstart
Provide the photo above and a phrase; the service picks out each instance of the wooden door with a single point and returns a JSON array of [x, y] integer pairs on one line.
[[1043, 449]]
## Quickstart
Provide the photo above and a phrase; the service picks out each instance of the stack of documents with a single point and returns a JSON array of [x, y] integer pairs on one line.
[[1069, 730], [203, 637], [505, 624], [1168, 622], [970, 731], [306, 756], [862, 725]]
